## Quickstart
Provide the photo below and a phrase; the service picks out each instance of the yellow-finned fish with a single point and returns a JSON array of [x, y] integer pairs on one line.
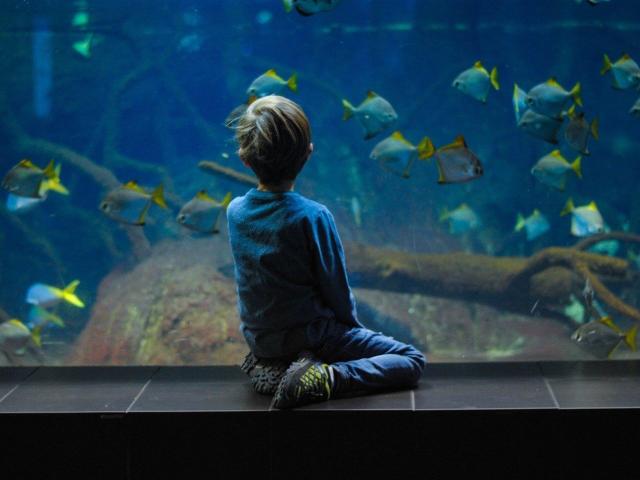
[[457, 163], [270, 83], [585, 220], [41, 317], [129, 203], [550, 98], [552, 169], [477, 81], [540, 126], [15, 337], [625, 72], [309, 7], [461, 220], [578, 131], [535, 224], [602, 337], [28, 180], [396, 149], [202, 213], [47, 296], [375, 114], [519, 102]]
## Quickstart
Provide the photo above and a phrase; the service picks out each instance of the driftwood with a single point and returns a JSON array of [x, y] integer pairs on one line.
[[546, 279], [215, 168]]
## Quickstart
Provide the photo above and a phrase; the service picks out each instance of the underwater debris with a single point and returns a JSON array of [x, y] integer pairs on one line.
[[307, 8]]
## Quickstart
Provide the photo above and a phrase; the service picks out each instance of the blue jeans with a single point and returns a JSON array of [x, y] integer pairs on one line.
[[366, 361]]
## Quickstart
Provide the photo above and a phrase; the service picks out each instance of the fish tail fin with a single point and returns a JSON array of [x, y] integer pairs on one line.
[[35, 336], [595, 128], [55, 319], [425, 149], [348, 109], [494, 78], [55, 184], [50, 170], [157, 196], [575, 93], [69, 295], [288, 5], [444, 214], [519, 223], [568, 207], [226, 200], [630, 338], [292, 83], [606, 65], [576, 166]]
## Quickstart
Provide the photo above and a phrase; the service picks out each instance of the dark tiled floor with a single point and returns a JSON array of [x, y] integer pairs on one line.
[[518, 386]]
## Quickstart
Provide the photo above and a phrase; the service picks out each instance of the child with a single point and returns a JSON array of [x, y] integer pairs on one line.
[[294, 298]]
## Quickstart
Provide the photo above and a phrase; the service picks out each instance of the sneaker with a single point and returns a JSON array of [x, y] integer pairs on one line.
[[306, 381]]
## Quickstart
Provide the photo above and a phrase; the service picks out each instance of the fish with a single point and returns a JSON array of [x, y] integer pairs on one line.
[[309, 7], [585, 220], [602, 337], [41, 317], [579, 130], [46, 296], [540, 126], [588, 295], [552, 169], [375, 114], [129, 203], [535, 224], [625, 72], [25, 179], [397, 149], [550, 98], [519, 101], [457, 163], [202, 213], [15, 337], [16, 203], [477, 81], [83, 47], [270, 83], [461, 220], [635, 109]]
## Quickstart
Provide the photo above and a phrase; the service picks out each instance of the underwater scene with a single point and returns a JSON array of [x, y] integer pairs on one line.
[[480, 158]]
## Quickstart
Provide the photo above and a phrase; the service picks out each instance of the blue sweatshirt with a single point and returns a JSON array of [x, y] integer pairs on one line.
[[290, 271]]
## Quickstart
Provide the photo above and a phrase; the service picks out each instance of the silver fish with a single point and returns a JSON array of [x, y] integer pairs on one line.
[[457, 163], [375, 114], [461, 220], [129, 203], [535, 224], [602, 337], [635, 110], [550, 98], [477, 81], [397, 149], [540, 126], [15, 337], [579, 130], [270, 83], [552, 169], [625, 72], [585, 220], [202, 213]]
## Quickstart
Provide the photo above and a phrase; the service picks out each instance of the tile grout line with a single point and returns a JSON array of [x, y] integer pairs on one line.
[[141, 391], [548, 385], [18, 384]]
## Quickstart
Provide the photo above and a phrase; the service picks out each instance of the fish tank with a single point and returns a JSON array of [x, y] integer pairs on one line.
[[479, 158]]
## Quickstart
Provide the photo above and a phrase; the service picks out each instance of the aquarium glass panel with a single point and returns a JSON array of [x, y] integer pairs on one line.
[[479, 158]]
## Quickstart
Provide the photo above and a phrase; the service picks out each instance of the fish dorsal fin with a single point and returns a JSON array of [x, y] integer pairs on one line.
[[26, 163], [17, 323], [204, 196], [271, 73], [556, 154], [592, 205], [463, 206], [399, 137], [572, 111], [133, 185], [459, 142], [49, 170], [371, 94], [478, 64], [536, 212], [552, 82], [625, 57]]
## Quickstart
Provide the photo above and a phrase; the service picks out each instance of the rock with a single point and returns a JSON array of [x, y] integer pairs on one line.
[[173, 308]]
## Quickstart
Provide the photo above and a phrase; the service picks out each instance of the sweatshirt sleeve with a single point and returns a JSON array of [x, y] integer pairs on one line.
[[330, 269]]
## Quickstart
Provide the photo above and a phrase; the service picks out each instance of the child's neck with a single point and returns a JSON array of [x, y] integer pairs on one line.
[[282, 187]]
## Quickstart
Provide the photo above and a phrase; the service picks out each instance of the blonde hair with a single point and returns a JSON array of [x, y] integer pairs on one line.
[[273, 137]]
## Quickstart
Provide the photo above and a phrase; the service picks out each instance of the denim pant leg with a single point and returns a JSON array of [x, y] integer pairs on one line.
[[365, 361]]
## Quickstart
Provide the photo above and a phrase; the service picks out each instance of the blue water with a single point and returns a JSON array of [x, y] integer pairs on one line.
[[408, 51]]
